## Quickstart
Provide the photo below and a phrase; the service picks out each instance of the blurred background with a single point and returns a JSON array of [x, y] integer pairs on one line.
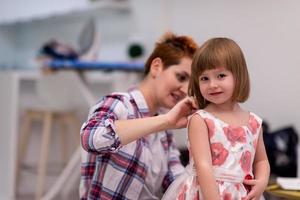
[[58, 57]]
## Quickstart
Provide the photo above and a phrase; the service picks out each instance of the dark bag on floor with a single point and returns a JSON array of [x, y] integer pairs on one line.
[[281, 147]]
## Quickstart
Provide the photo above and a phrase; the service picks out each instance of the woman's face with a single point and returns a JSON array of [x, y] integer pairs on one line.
[[172, 83]]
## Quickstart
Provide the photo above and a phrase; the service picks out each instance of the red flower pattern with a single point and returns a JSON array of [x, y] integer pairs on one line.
[[211, 126], [235, 135], [253, 124], [227, 196], [248, 187], [196, 197], [245, 162], [182, 193], [237, 186], [218, 153]]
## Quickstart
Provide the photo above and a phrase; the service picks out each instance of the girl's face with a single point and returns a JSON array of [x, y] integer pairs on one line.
[[172, 83], [217, 85]]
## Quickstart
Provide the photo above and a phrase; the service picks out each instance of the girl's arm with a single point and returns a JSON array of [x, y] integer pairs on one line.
[[261, 171], [200, 149]]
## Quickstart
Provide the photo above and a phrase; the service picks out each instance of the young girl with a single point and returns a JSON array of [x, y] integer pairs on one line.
[[228, 158]]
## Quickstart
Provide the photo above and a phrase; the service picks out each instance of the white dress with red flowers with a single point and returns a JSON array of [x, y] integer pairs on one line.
[[232, 150]]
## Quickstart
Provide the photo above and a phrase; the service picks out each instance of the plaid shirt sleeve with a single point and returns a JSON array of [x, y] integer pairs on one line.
[[175, 168], [98, 133]]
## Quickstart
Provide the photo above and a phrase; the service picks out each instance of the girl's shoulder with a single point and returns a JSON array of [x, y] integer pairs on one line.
[[202, 116], [255, 123], [253, 116], [203, 113]]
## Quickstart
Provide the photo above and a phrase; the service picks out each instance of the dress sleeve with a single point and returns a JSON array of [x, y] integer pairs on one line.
[[98, 132], [175, 168]]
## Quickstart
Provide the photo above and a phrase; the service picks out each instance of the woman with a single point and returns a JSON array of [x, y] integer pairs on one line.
[[131, 155]]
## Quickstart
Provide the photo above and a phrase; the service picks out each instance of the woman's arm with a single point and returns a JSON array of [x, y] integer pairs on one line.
[[98, 132], [261, 171], [200, 149], [108, 127], [133, 129]]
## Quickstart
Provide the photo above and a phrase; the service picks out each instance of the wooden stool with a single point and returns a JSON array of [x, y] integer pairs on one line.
[[47, 117]]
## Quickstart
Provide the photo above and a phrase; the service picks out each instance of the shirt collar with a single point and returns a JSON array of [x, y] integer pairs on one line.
[[140, 101]]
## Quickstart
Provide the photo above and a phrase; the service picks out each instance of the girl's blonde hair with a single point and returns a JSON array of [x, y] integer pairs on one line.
[[220, 52]]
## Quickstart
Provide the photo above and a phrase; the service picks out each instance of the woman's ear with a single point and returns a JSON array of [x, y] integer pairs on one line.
[[156, 67]]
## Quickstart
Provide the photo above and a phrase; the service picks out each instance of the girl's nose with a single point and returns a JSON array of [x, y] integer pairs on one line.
[[213, 84]]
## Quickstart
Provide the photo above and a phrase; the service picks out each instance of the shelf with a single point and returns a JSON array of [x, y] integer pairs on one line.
[[41, 10]]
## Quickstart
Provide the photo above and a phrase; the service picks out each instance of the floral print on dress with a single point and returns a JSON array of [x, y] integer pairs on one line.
[[211, 126], [253, 124], [232, 151], [235, 135], [182, 193], [227, 196], [245, 162], [218, 153]]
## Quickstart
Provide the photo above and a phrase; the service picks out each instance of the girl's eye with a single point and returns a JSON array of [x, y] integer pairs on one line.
[[181, 77], [203, 78], [220, 76]]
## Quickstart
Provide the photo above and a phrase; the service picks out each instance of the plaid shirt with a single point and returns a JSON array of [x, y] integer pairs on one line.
[[111, 171]]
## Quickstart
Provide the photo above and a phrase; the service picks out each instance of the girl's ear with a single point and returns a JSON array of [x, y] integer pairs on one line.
[[156, 67]]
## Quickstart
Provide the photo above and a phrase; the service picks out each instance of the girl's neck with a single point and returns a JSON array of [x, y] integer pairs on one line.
[[232, 115], [223, 108]]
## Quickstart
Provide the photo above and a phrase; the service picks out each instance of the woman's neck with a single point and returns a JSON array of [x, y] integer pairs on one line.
[[147, 91]]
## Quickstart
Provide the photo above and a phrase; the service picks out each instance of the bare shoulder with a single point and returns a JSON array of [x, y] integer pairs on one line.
[[196, 118], [196, 123]]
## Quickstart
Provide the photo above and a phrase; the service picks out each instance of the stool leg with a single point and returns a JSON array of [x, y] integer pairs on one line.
[[47, 122], [77, 125], [23, 143], [63, 140]]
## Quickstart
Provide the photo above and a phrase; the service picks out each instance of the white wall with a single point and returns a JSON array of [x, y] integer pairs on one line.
[[7, 46], [267, 31]]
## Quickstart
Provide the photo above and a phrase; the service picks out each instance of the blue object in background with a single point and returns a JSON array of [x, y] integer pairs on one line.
[[94, 65]]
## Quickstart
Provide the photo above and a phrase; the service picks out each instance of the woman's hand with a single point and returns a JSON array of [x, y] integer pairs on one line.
[[177, 117]]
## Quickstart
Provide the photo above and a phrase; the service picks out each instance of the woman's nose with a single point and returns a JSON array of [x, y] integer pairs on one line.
[[184, 87]]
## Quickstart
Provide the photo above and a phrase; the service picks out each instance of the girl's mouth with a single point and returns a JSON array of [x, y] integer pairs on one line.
[[215, 93]]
